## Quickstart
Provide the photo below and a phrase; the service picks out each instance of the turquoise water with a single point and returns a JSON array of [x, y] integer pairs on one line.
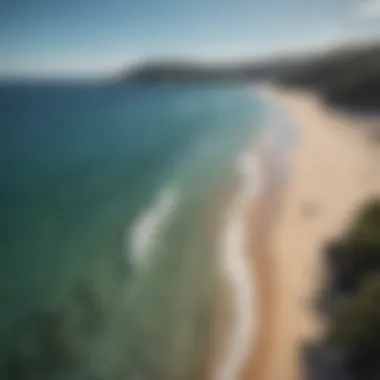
[[107, 250]]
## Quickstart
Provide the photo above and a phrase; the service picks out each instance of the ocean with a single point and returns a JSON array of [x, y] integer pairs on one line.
[[114, 204]]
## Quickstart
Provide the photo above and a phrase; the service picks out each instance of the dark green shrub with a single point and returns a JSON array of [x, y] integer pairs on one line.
[[357, 256], [355, 322]]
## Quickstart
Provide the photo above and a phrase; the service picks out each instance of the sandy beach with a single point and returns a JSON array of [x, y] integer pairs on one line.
[[332, 170]]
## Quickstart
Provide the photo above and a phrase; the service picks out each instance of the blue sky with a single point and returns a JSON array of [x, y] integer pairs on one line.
[[91, 37]]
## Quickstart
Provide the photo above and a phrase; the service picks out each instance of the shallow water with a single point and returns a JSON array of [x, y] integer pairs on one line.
[[107, 264]]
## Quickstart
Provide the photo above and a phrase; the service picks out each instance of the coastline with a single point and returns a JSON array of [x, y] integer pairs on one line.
[[328, 173], [332, 171], [262, 216], [247, 283]]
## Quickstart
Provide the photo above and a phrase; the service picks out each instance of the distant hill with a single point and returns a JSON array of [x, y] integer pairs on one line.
[[348, 78], [194, 72]]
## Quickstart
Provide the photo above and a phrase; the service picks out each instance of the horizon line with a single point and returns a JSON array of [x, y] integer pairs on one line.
[[103, 73]]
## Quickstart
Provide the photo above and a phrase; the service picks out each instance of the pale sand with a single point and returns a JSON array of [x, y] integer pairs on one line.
[[333, 168]]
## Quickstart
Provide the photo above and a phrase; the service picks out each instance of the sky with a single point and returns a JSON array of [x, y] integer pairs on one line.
[[98, 37]]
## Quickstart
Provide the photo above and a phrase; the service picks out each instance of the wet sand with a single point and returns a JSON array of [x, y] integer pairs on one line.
[[262, 217], [259, 217]]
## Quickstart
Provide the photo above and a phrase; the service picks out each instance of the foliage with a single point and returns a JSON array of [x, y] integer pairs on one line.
[[358, 254], [355, 321], [348, 77]]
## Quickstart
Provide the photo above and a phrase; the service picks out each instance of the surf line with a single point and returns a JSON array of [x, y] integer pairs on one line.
[[237, 269], [145, 233]]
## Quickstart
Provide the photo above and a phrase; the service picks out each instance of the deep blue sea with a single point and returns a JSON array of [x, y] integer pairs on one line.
[[109, 203]]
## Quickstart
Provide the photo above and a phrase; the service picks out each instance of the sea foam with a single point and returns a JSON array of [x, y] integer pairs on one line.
[[238, 271], [235, 264], [145, 233]]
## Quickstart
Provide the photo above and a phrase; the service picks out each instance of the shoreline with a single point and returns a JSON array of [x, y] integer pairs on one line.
[[329, 172], [262, 214], [238, 299], [246, 342]]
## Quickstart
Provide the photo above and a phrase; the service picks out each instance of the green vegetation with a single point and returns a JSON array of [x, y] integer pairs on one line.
[[358, 255], [355, 321], [348, 78], [188, 72]]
